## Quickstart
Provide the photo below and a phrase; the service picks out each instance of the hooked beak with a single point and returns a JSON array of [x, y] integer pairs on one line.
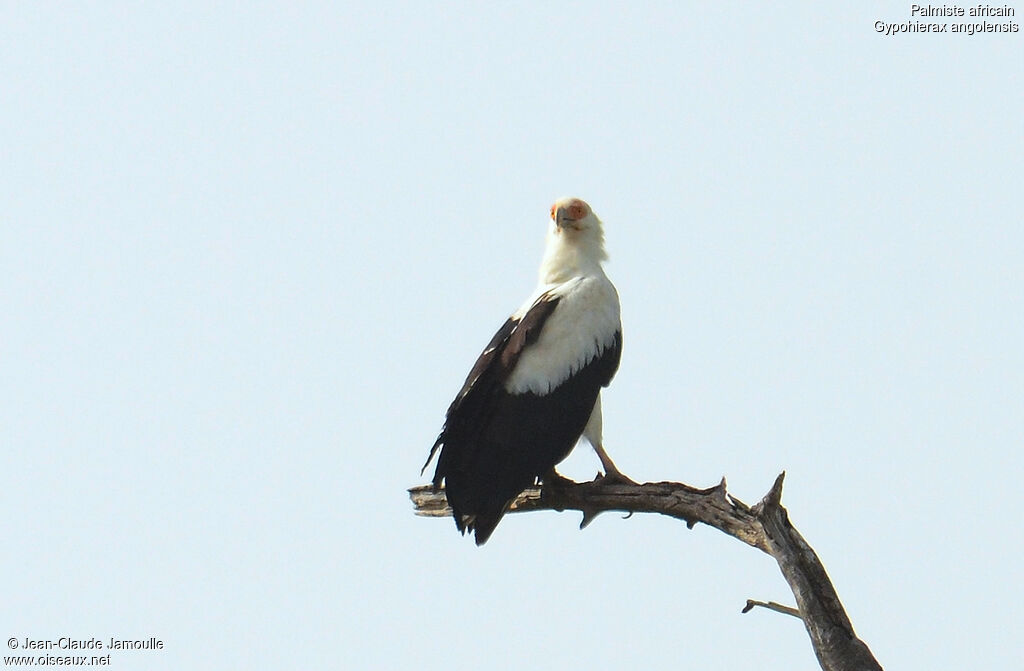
[[563, 221]]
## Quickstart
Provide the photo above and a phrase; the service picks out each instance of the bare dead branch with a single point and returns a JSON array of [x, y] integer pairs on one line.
[[771, 605], [764, 526]]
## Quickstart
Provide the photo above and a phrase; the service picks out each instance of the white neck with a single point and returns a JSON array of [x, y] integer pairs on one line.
[[572, 254]]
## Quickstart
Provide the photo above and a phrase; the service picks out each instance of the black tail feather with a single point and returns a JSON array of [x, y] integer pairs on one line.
[[484, 526]]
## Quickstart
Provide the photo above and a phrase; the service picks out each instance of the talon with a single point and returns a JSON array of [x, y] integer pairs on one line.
[[614, 478]]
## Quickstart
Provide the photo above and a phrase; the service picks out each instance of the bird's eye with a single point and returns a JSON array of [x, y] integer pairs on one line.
[[577, 209]]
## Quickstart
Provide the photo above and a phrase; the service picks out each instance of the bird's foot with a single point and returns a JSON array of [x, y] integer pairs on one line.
[[613, 477]]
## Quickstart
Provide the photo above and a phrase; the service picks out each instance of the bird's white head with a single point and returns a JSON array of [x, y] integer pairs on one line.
[[573, 214], [575, 244]]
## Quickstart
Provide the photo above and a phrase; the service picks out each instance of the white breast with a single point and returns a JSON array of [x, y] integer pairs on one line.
[[581, 327]]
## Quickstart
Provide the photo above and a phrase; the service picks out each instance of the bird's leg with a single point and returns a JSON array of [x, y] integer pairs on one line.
[[592, 432], [612, 475]]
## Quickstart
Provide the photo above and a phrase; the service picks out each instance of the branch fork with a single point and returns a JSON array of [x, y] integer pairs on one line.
[[765, 526]]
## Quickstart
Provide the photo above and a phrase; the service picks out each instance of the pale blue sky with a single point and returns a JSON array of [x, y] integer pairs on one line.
[[249, 253]]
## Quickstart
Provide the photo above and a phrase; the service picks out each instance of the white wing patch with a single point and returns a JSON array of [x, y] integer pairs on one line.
[[581, 327]]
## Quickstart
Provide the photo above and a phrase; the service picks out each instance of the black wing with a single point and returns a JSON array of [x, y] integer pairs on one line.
[[491, 369]]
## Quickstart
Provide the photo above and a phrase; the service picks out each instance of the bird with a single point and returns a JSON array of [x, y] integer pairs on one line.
[[536, 387]]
